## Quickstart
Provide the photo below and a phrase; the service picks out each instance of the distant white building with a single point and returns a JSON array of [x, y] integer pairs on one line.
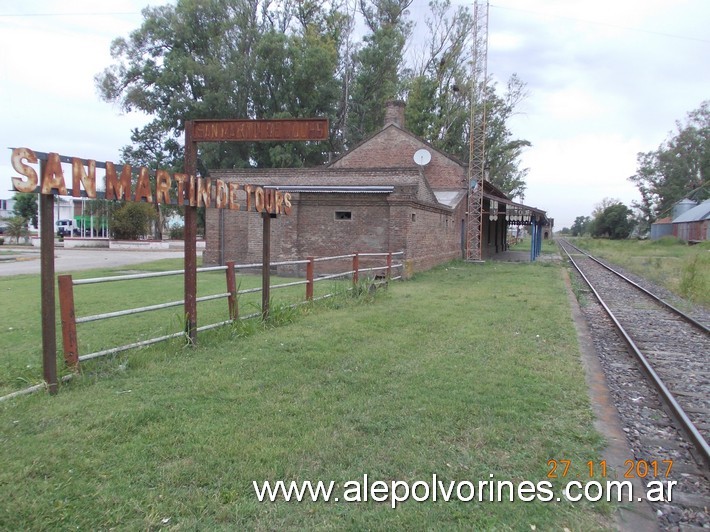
[[65, 208], [6, 206]]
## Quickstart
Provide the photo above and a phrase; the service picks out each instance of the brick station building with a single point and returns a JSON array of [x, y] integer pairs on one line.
[[372, 199]]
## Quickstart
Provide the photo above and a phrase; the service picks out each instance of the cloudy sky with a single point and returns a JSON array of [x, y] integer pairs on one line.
[[606, 79]]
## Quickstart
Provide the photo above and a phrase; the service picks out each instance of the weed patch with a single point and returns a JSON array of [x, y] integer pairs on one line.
[[668, 262]]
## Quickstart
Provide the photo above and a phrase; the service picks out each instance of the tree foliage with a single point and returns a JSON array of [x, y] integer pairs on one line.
[[581, 226], [678, 169], [227, 59], [439, 92], [17, 227], [614, 221], [378, 64], [155, 149], [25, 207], [280, 59], [132, 221]]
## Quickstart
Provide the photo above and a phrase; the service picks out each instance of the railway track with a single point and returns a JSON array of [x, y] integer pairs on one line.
[[655, 359]]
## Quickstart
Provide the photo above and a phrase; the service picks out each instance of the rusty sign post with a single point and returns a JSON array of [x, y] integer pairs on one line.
[[266, 265], [49, 338], [239, 130], [190, 236]]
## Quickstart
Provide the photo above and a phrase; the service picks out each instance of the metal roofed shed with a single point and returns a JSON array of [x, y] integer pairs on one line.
[[694, 224]]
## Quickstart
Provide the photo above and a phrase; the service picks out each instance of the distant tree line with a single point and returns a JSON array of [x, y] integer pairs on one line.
[[611, 219]]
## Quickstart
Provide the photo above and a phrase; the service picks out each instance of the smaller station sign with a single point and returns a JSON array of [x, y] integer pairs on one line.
[[278, 130]]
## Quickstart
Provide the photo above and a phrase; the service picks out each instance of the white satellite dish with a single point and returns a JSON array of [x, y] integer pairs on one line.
[[422, 157]]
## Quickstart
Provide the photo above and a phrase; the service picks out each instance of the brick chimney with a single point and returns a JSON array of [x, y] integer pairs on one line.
[[394, 113]]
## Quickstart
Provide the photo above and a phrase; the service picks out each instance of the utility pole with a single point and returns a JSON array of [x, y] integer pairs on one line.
[[477, 135]]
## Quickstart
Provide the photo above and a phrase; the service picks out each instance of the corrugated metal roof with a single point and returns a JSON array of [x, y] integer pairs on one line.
[[696, 214], [514, 204], [450, 198], [334, 178], [333, 189]]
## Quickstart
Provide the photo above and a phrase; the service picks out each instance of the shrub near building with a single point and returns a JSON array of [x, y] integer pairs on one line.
[[131, 221]]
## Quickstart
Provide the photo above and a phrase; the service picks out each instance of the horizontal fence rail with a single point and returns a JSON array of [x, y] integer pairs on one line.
[[72, 357]]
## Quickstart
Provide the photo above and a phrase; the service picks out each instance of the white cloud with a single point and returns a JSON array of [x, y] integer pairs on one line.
[[47, 69], [573, 175]]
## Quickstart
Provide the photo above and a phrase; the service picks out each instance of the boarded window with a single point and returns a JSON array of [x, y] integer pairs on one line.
[[343, 215]]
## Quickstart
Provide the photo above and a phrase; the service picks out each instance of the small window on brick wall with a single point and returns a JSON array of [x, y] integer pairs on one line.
[[343, 215], [414, 217]]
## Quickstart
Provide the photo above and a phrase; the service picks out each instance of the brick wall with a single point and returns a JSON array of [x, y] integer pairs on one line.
[[378, 223], [433, 237]]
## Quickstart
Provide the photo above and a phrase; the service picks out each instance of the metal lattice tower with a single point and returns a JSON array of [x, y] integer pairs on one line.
[[477, 135]]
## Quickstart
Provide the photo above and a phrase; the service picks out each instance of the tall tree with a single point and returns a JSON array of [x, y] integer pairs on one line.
[[503, 151], [439, 90], [378, 64], [229, 59], [679, 168], [297, 58], [438, 85]]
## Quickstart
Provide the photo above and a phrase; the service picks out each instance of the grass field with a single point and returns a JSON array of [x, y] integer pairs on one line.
[[465, 371], [669, 262], [20, 343], [548, 246]]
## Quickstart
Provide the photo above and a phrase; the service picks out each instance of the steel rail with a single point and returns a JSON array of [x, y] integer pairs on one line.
[[676, 410], [670, 307]]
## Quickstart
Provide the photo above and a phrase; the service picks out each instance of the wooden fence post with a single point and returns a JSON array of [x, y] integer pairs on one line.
[[309, 278], [356, 267], [389, 265], [66, 307], [232, 289]]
